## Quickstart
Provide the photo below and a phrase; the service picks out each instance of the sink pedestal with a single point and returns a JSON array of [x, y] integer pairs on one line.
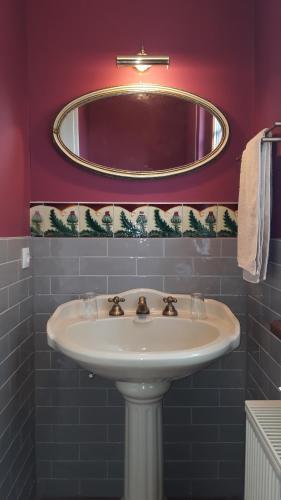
[[143, 356], [143, 440]]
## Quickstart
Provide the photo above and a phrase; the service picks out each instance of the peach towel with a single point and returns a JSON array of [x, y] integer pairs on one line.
[[254, 209]]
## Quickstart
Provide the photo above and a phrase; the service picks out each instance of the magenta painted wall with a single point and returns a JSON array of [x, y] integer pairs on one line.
[[72, 50], [268, 88], [14, 185]]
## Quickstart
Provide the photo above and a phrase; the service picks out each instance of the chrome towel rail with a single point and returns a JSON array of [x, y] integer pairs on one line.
[[273, 139], [269, 138]]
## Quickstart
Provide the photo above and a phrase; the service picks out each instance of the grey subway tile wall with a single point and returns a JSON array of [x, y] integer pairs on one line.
[[17, 461], [264, 348], [80, 420]]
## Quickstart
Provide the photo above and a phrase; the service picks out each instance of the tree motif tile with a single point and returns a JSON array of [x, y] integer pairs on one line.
[[200, 221], [165, 221], [133, 221], [58, 220], [38, 220], [63, 220], [130, 221], [227, 220], [96, 221]]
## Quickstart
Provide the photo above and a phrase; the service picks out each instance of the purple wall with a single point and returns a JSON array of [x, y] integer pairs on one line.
[[14, 185], [268, 88], [72, 52], [217, 65]]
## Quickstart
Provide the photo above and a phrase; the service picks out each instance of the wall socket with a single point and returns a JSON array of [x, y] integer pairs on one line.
[[25, 258]]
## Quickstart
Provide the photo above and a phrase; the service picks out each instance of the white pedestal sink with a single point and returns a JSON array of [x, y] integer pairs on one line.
[[143, 356]]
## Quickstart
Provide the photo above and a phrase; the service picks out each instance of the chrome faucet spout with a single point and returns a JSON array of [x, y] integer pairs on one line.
[[142, 306]]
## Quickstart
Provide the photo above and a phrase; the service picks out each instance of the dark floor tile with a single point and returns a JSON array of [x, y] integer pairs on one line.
[[170, 498]]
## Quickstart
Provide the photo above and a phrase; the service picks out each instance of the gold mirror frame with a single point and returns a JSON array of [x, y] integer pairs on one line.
[[134, 89]]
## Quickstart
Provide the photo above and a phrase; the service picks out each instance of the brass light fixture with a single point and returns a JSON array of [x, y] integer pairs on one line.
[[142, 61]]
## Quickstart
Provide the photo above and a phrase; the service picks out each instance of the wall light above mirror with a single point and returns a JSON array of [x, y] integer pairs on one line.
[[141, 131], [142, 61]]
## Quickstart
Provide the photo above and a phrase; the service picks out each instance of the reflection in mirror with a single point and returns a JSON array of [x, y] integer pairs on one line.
[[142, 133]]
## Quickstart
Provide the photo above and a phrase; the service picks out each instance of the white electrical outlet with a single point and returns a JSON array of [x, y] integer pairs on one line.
[[25, 258]]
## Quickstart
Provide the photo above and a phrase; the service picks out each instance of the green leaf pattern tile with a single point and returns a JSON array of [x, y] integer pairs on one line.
[[121, 221], [227, 221], [132, 224], [51, 221], [200, 223], [165, 223], [37, 216], [96, 223]]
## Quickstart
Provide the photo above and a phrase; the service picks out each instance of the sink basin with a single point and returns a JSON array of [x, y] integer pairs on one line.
[[129, 348], [143, 355]]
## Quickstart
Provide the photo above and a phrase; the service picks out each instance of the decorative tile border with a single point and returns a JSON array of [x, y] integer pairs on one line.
[[133, 221], [96, 221]]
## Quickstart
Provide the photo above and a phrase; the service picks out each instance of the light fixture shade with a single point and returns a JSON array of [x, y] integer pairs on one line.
[[142, 61]]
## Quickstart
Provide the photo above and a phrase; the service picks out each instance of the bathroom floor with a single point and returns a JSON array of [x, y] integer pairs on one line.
[[228, 498]]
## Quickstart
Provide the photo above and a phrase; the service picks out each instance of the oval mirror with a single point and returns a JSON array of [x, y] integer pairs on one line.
[[141, 131]]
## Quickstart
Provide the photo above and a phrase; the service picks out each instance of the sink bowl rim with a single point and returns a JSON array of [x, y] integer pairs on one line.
[[158, 354], [177, 360]]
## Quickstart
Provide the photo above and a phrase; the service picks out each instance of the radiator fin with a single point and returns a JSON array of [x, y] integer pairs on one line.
[[263, 450]]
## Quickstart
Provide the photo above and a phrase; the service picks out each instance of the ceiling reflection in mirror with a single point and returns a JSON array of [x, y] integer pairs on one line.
[[141, 131]]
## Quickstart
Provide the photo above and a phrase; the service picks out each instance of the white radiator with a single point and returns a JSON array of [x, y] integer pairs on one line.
[[263, 450]]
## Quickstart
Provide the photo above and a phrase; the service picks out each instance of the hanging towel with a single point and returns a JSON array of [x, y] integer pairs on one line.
[[254, 209]]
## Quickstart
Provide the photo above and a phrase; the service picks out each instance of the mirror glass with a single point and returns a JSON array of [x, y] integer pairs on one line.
[[141, 132]]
